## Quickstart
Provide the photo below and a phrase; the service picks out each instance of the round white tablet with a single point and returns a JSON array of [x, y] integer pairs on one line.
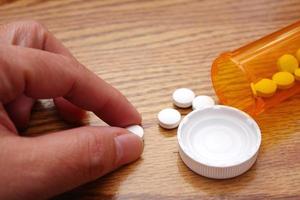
[[202, 101], [137, 130], [169, 118], [219, 141], [183, 97]]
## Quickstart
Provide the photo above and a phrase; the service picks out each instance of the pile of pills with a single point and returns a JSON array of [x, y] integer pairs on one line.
[[289, 71], [170, 118]]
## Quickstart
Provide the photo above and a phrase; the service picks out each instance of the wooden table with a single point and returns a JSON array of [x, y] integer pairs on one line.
[[149, 48]]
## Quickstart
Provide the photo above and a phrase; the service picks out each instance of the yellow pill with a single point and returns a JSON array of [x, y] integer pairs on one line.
[[264, 88], [287, 63], [297, 74], [283, 80], [298, 54]]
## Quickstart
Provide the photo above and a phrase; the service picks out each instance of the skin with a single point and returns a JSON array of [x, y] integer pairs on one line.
[[35, 65]]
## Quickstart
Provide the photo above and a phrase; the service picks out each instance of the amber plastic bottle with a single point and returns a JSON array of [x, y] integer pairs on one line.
[[233, 72]]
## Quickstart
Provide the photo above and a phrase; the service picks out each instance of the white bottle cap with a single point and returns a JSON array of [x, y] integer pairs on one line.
[[218, 142], [183, 97]]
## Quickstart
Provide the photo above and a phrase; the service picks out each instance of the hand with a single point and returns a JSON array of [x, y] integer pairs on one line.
[[35, 65]]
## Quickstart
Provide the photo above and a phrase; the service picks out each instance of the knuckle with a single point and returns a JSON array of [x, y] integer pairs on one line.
[[30, 29], [33, 25]]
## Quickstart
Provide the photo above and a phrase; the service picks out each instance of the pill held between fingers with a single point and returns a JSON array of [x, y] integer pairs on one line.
[[284, 80], [202, 101], [137, 130], [169, 118], [183, 97], [265, 88], [287, 63]]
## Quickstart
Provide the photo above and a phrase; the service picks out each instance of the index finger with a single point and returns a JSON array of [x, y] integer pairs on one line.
[[40, 74], [31, 34]]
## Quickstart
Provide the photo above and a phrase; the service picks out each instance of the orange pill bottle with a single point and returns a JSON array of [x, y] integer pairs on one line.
[[233, 72]]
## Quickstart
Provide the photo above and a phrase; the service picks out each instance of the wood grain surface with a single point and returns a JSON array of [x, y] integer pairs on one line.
[[147, 49]]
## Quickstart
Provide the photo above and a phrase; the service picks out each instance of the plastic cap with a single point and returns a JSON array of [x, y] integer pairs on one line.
[[218, 142]]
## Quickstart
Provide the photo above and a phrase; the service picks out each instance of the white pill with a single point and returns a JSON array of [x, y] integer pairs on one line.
[[183, 97], [137, 130], [202, 101], [169, 118]]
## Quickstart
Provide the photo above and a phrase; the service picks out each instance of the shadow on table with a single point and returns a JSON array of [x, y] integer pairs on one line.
[[98, 188], [281, 122], [46, 119], [214, 187]]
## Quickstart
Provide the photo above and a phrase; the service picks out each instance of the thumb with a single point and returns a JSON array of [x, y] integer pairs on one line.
[[64, 160]]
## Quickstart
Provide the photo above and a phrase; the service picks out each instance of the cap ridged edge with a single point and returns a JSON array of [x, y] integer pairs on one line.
[[217, 172]]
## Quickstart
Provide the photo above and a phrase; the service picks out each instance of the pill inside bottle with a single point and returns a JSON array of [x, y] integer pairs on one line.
[[287, 63], [284, 80], [297, 74], [264, 88]]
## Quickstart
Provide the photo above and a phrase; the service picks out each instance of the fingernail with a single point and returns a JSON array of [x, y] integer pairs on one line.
[[129, 147]]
